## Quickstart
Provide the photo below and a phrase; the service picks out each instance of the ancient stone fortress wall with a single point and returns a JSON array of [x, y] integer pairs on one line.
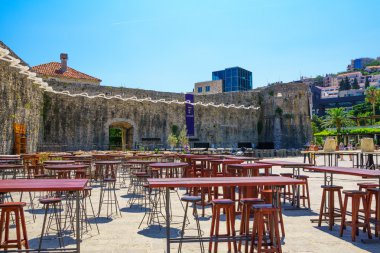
[[20, 102], [283, 117]]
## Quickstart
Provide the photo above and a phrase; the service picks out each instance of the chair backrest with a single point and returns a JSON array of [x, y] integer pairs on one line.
[[330, 145], [367, 145]]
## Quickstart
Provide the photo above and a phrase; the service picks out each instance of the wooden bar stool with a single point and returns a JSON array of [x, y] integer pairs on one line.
[[247, 204], [365, 186], [267, 196], [304, 190], [330, 212], [373, 193], [267, 240], [229, 206], [356, 197], [18, 210]]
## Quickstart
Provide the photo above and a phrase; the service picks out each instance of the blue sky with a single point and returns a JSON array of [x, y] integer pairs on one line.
[[170, 45]]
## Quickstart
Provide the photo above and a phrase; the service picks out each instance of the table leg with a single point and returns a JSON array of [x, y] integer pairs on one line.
[[77, 222], [377, 224], [167, 220]]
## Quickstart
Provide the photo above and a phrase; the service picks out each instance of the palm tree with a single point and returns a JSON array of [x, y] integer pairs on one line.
[[372, 96], [337, 117]]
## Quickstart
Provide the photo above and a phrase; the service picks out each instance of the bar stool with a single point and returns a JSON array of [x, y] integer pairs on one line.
[[267, 241], [374, 193], [18, 210], [229, 206], [247, 204], [267, 196], [365, 186], [356, 196], [55, 215], [110, 199], [193, 200], [331, 214], [287, 194], [304, 189]]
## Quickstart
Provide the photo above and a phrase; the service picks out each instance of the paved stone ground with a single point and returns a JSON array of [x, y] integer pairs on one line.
[[121, 234]]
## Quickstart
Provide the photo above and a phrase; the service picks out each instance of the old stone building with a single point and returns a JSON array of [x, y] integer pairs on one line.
[[62, 122]]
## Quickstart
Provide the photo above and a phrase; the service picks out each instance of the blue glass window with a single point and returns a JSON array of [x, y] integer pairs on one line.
[[207, 88], [199, 89]]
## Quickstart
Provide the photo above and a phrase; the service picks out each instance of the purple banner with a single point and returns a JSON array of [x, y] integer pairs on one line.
[[190, 115]]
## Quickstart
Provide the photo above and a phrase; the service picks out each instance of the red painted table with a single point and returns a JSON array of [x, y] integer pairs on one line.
[[106, 169], [205, 167], [223, 163], [56, 162], [168, 183], [250, 169], [172, 170], [37, 185], [10, 166], [66, 167]]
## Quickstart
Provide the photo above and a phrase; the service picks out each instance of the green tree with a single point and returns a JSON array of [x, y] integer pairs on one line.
[[366, 85], [318, 80], [372, 96], [317, 124], [341, 85], [182, 138], [172, 140], [338, 118], [355, 85], [347, 84]]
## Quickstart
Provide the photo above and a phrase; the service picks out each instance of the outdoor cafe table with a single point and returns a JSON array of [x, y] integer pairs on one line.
[[56, 162], [168, 183], [66, 167], [172, 169], [296, 166], [329, 180], [41, 185], [4, 167], [247, 159], [10, 158]]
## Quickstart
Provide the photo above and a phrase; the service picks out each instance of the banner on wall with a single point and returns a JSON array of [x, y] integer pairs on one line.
[[189, 114]]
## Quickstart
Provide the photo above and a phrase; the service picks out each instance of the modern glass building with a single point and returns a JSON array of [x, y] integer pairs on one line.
[[234, 79]]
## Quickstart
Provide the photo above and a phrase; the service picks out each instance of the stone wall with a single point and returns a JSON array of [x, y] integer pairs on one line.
[[71, 123], [20, 102], [283, 117]]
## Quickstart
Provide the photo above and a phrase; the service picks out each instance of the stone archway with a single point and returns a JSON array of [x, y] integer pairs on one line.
[[128, 133]]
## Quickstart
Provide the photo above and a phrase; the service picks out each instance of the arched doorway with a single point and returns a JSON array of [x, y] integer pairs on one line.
[[120, 136]]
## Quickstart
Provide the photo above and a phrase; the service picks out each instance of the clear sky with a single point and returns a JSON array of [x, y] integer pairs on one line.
[[170, 45]]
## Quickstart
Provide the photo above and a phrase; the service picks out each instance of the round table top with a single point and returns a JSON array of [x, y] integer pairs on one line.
[[66, 167], [50, 162], [168, 165], [4, 166], [107, 162]]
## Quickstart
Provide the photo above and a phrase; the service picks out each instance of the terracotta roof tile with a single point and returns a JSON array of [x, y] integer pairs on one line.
[[53, 69]]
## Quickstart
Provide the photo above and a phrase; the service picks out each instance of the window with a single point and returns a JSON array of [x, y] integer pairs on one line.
[[199, 89], [207, 88]]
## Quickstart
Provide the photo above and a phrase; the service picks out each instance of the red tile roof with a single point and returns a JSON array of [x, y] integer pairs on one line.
[[53, 69]]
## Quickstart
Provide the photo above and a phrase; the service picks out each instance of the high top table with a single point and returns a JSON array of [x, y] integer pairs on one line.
[[40, 185], [351, 172], [296, 166], [168, 183], [4, 167]]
